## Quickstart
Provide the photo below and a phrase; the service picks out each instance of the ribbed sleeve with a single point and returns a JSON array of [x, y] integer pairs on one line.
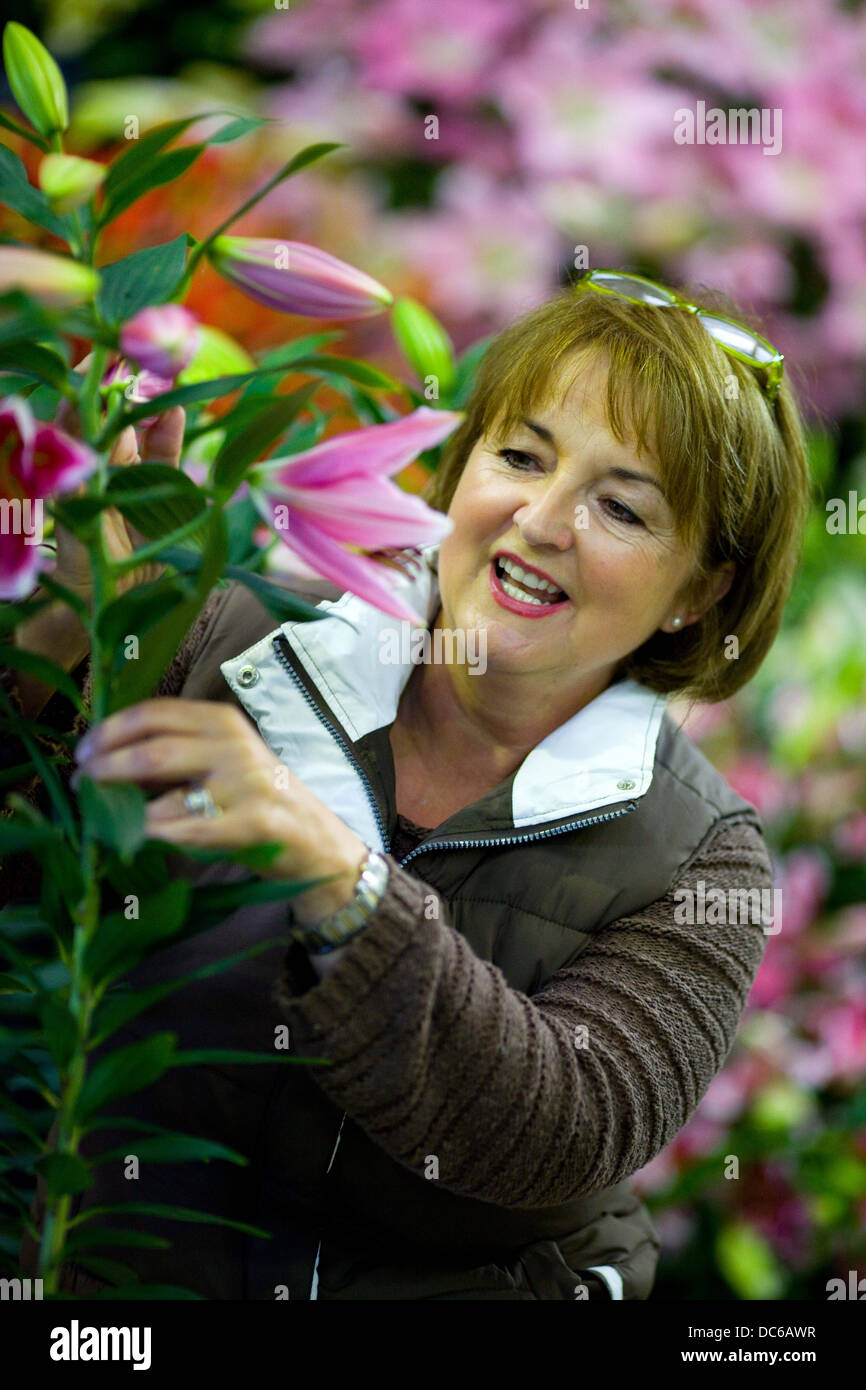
[[434, 1053]]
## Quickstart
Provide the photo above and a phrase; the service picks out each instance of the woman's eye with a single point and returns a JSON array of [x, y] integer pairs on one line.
[[515, 458], [625, 514]]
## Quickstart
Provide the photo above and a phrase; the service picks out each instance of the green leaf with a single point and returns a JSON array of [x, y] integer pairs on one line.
[[161, 169], [11, 984], [31, 359], [130, 1069], [20, 195], [23, 1119], [64, 1173], [23, 132], [136, 612], [112, 1271], [127, 177], [172, 1148], [119, 941], [237, 129], [17, 836], [146, 277], [227, 1056], [20, 1064], [181, 500], [43, 668], [467, 371], [348, 367], [748, 1263], [128, 166], [114, 815], [169, 1213], [96, 1237], [119, 1008], [280, 602], [140, 678], [60, 1029], [199, 391], [242, 519], [248, 445]]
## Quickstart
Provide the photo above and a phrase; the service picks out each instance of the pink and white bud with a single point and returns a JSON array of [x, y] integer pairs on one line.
[[298, 279], [162, 339], [55, 281]]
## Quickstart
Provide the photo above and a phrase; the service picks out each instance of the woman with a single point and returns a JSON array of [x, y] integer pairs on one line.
[[516, 1015]]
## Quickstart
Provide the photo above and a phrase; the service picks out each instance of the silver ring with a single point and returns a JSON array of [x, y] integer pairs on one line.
[[199, 802]]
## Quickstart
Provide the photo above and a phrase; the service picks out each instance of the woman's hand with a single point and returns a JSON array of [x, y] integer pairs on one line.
[[169, 744], [160, 443]]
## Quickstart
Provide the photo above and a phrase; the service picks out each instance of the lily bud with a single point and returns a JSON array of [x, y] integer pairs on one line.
[[297, 279], [55, 281], [424, 343], [162, 339], [68, 180], [36, 80]]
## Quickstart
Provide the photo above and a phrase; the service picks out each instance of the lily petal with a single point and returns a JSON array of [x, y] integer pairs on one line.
[[59, 461], [373, 449], [358, 573]]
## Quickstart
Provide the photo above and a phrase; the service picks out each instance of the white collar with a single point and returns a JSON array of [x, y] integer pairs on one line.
[[602, 755]]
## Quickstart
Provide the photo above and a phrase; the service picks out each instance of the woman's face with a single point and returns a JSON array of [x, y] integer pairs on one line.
[[591, 516]]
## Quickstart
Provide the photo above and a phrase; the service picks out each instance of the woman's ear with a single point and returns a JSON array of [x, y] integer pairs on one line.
[[700, 598]]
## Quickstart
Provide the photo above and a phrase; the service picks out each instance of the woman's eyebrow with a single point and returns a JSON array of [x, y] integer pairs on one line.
[[616, 471]]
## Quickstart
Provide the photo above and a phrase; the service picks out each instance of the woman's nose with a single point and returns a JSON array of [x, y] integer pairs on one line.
[[547, 520]]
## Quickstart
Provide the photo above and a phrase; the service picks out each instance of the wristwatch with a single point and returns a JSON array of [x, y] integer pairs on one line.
[[341, 926]]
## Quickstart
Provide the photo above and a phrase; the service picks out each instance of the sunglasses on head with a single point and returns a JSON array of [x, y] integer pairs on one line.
[[736, 339]]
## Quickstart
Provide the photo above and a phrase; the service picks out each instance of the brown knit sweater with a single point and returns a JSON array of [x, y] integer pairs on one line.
[[434, 1053]]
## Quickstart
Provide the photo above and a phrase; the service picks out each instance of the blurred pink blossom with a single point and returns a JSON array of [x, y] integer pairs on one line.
[[805, 879], [841, 1028], [437, 51], [752, 777]]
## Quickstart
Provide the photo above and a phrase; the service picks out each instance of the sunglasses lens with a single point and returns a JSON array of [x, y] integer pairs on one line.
[[736, 336], [635, 289]]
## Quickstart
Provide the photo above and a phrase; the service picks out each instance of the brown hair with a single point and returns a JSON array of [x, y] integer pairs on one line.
[[734, 467]]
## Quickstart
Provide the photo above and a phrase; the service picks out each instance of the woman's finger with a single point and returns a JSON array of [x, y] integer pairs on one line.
[[163, 441], [163, 760], [164, 714], [125, 448]]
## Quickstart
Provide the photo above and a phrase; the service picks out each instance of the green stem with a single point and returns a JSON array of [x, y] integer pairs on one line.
[[81, 1005], [85, 915], [90, 400], [202, 246], [155, 548]]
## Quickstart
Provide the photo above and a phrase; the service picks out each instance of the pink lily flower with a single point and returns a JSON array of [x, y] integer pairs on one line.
[[297, 279], [162, 339], [36, 461], [337, 494]]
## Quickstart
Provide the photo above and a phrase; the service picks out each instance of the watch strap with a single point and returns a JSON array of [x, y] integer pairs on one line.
[[342, 925]]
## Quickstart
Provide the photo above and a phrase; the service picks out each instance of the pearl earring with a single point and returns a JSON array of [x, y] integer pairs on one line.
[[675, 622]]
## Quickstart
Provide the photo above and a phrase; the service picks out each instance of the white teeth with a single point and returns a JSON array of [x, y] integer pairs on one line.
[[527, 577], [513, 592]]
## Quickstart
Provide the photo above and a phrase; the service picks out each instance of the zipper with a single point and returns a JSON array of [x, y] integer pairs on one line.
[[337, 736], [517, 839], [343, 743]]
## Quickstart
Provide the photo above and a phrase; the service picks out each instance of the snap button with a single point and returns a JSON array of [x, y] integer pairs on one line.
[[247, 675], [626, 785]]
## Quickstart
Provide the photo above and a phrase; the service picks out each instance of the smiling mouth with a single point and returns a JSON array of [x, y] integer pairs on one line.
[[525, 587]]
